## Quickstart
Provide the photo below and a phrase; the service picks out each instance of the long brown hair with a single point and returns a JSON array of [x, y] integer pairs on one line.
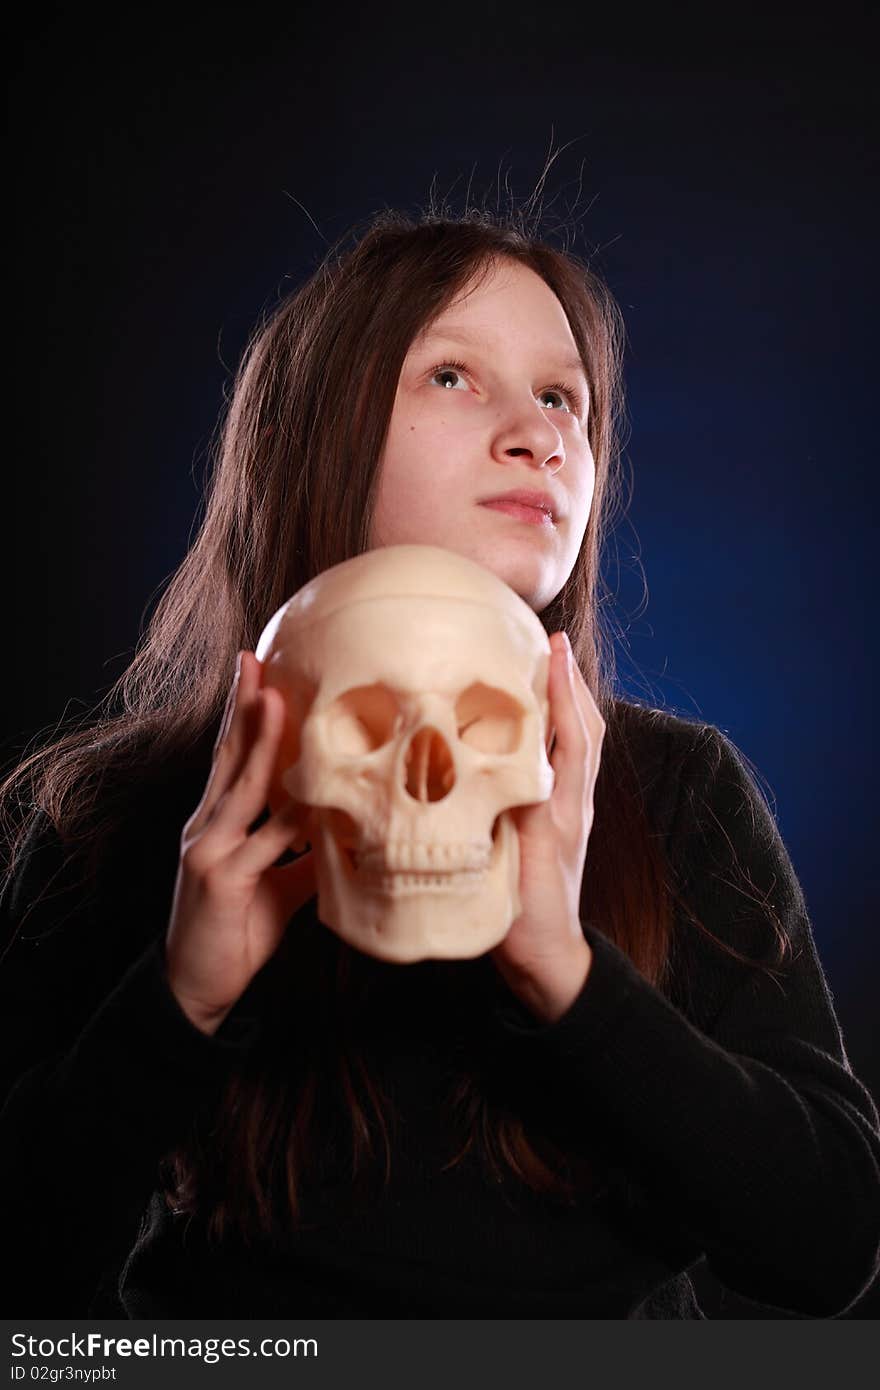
[[291, 494]]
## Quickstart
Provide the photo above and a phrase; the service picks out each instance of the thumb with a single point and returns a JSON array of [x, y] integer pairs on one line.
[[533, 820]]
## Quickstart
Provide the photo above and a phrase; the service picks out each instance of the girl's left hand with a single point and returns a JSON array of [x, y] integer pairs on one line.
[[545, 957]]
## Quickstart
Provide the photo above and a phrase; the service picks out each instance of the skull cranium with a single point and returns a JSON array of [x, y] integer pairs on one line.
[[415, 682]]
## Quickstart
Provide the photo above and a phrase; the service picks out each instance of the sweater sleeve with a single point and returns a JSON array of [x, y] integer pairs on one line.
[[749, 1129], [91, 1101]]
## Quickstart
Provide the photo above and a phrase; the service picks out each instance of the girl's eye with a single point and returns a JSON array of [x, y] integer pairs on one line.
[[447, 369], [569, 394]]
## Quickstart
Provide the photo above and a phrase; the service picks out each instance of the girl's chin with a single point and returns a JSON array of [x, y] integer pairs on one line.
[[534, 581], [515, 554]]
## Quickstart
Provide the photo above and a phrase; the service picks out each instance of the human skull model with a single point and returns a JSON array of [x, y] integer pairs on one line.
[[416, 689]]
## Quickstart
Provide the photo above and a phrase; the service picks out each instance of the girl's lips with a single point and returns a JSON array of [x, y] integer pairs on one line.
[[534, 516]]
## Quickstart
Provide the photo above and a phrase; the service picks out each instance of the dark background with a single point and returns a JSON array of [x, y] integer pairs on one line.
[[171, 172]]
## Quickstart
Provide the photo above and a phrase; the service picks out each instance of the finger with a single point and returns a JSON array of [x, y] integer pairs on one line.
[[246, 797], [228, 708], [570, 754], [236, 735], [261, 849], [594, 724], [593, 720], [532, 820], [292, 885]]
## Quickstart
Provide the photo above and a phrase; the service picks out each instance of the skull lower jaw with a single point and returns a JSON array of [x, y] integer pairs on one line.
[[418, 915]]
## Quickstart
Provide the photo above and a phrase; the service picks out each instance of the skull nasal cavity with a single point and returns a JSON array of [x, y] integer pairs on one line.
[[430, 771]]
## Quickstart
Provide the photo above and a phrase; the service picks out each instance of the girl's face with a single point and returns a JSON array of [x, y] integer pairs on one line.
[[492, 398]]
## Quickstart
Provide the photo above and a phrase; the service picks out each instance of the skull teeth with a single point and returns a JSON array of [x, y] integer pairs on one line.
[[416, 858], [403, 885]]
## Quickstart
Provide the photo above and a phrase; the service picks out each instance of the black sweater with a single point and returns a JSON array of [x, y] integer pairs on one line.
[[722, 1115]]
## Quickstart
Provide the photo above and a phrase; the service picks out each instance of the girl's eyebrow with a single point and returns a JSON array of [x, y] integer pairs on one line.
[[461, 335]]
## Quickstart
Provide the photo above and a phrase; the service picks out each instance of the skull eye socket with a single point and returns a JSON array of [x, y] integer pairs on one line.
[[489, 719], [362, 720]]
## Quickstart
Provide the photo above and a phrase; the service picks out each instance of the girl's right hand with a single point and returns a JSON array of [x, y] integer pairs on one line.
[[231, 906]]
